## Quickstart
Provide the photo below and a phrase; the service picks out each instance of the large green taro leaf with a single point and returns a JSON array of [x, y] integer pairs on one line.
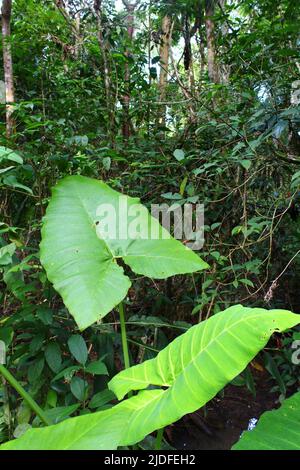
[[81, 261], [193, 368], [103, 430], [207, 356], [276, 430]]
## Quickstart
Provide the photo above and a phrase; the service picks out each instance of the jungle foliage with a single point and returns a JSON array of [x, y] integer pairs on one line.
[[186, 102]]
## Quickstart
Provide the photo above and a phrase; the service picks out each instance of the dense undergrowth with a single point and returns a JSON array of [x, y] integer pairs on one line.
[[231, 143]]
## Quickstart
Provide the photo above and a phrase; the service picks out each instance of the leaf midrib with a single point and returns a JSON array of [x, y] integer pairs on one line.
[[216, 339]]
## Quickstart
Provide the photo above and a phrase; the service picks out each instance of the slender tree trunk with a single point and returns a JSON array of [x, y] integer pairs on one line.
[[149, 64], [224, 69], [212, 66], [106, 70], [200, 42], [185, 90], [78, 38], [8, 66], [164, 53], [130, 8], [191, 78], [188, 54], [73, 23]]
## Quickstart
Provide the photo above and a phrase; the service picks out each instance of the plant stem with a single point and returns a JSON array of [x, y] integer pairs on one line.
[[6, 407], [30, 401], [159, 438], [124, 336]]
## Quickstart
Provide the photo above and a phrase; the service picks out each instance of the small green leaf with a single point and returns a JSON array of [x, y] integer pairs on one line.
[[295, 180], [215, 225], [51, 399], [97, 368], [35, 370], [37, 343], [6, 335], [45, 315], [246, 164], [67, 373], [172, 196], [183, 185], [179, 154], [78, 388], [8, 154], [236, 230], [106, 162], [246, 282], [53, 356], [101, 398], [78, 348], [155, 59], [12, 181], [6, 253], [4, 170]]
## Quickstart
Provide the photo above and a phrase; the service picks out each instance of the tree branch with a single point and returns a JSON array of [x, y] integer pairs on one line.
[[60, 5]]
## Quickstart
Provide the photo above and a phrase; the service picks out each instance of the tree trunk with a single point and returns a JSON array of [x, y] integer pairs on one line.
[[200, 42], [212, 66], [8, 67], [78, 39], [130, 8], [164, 53], [224, 69], [106, 71]]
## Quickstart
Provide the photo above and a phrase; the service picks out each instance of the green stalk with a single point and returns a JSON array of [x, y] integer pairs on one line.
[[124, 343], [6, 407], [159, 438], [29, 400], [124, 336]]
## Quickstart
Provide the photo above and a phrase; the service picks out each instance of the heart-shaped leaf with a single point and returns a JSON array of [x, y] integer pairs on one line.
[[80, 255]]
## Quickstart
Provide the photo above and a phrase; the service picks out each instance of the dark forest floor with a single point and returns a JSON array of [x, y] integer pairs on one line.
[[220, 425]]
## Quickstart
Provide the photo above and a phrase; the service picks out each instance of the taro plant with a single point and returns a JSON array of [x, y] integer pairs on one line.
[[182, 378], [81, 259], [82, 263], [81, 255]]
